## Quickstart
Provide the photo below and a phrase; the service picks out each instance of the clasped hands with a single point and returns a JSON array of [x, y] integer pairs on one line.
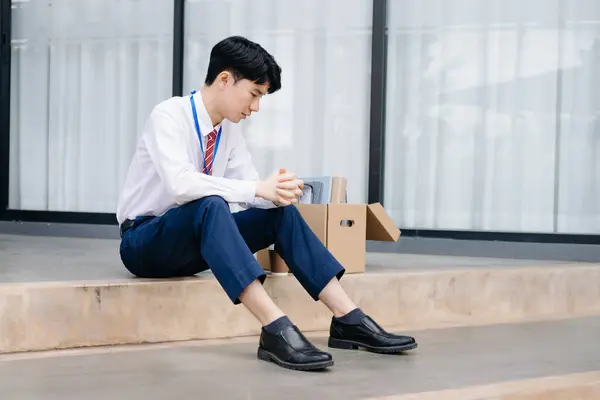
[[281, 187]]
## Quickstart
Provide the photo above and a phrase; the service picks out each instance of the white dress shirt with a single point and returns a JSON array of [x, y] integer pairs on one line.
[[166, 165]]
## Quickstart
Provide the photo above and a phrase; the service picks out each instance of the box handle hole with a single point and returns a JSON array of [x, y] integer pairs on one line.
[[347, 223]]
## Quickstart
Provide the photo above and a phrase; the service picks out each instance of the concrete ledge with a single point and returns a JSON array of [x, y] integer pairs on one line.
[[570, 252], [40, 316]]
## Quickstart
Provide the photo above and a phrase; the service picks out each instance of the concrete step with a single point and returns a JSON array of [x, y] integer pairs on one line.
[[542, 360], [56, 315], [581, 386]]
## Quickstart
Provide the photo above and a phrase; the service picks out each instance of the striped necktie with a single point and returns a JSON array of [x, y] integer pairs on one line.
[[209, 154]]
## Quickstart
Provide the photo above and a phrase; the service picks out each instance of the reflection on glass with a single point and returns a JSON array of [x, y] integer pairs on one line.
[[318, 124], [84, 77], [487, 104]]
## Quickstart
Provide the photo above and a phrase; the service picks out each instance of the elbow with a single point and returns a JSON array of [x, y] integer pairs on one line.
[[179, 190], [180, 194]]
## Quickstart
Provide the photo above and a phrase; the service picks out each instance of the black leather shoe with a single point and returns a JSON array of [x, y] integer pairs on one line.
[[369, 335], [290, 349]]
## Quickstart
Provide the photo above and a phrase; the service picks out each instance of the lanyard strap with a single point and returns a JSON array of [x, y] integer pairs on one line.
[[200, 134]]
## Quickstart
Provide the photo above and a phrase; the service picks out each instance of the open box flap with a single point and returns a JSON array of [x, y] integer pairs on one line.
[[380, 226]]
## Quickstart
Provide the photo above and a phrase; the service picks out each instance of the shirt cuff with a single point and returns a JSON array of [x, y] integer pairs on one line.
[[249, 191]]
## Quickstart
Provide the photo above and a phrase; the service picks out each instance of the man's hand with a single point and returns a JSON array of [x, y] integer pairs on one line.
[[285, 186], [281, 187]]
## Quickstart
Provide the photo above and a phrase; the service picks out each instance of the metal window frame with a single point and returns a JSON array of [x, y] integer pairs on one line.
[[178, 46], [378, 98], [376, 152], [5, 35]]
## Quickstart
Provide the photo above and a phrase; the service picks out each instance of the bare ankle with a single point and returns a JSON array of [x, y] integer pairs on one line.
[[257, 301], [335, 298]]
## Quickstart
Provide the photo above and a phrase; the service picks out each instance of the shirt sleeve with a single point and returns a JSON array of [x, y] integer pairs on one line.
[[165, 140], [240, 166]]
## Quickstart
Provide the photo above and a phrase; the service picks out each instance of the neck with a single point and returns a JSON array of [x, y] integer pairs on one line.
[[210, 100]]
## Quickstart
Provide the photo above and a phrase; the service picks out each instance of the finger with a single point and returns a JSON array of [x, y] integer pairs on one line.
[[292, 200], [288, 185], [293, 184], [282, 201], [298, 192], [300, 183], [285, 193], [282, 170], [286, 177]]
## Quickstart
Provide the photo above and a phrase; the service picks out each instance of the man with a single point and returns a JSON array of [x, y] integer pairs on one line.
[[175, 220]]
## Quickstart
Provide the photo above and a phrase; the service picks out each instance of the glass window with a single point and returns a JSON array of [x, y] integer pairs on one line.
[[493, 115], [84, 77], [318, 124], [578, 187]]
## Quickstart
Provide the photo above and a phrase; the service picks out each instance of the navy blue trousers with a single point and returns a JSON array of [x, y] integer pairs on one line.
[[204, 234]]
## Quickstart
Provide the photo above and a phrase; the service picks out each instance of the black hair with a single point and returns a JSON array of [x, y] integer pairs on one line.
[[245, 60]]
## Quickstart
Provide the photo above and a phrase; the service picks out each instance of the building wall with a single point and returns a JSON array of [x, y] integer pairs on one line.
[[492, 108]]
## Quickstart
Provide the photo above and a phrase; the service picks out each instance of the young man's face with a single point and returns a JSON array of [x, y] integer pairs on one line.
[[241, 98]]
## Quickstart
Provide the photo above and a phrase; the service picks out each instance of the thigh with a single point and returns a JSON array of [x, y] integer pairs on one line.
[[165, 246], [258, 226]]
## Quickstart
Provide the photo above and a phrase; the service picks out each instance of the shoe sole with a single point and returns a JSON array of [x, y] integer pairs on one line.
[[264, 355], [351, 345]]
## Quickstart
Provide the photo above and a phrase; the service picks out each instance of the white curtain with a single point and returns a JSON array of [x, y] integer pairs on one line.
[[579, 171], [318, 124], [493, 115], [85, 75]]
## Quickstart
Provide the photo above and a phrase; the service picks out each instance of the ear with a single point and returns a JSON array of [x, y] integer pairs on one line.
[[224, 79]]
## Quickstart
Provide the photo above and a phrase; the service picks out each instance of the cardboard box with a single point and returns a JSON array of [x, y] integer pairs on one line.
[[344, 230]]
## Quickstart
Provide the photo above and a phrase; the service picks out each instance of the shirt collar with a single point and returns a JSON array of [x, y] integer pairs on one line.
[[203, 118]]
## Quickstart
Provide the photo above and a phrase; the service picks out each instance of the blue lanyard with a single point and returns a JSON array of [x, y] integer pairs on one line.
[[200, 134]]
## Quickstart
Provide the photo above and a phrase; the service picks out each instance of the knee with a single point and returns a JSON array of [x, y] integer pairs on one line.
[[291, 209], [208, 208], [211, 203], [289, 212], [214, 201]]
